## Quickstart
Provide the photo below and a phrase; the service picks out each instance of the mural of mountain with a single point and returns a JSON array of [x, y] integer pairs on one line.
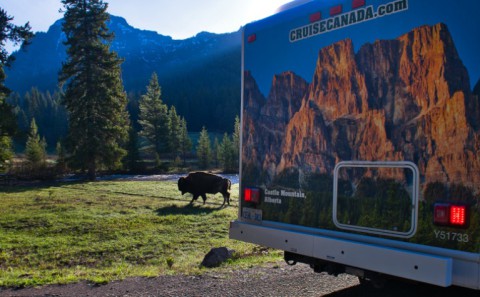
[[282, 104], [402, 99], [199, 75]]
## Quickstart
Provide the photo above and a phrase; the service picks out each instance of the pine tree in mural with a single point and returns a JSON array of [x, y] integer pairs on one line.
[[236, 144], [94, 96]]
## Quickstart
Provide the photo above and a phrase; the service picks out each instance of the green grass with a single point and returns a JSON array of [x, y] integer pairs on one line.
[[106, 231]]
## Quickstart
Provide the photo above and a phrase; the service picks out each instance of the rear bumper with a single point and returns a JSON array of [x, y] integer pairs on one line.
[[432, 268]]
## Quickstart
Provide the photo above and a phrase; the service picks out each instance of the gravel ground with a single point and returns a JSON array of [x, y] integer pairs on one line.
[[274, 280]]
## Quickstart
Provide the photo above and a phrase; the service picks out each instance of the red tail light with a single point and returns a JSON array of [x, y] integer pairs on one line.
[[453, 215], [458, 215], [251, 195]]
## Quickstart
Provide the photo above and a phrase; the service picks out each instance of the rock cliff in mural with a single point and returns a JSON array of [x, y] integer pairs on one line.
[[403, 99]]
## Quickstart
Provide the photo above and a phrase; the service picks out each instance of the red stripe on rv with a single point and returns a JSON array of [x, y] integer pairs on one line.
[[336, 10], [358, 3], [252, 38]]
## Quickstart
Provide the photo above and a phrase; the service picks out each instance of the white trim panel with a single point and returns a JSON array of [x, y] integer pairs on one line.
[[287, 241], [428, 268], [425, 268]]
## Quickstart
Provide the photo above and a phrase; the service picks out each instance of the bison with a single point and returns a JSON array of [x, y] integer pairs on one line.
[[201, 183]]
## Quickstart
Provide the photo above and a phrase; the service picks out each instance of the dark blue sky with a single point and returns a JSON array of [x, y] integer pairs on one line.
[[272, 52]]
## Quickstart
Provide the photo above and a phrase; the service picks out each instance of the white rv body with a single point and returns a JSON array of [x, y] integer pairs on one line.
[[360, 146]]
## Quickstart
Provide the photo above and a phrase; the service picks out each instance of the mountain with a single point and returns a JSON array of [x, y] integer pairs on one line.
[[402, 99], [199, 75]]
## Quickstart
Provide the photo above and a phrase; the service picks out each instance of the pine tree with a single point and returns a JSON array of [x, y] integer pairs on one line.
[[226, 153], [94, 96], [61, 157], [35, 148], [17, 35], [229, 149], [50, 116], [185, 141], [216, 152], [132, 159], [6, 153], [204, 152], [174, 132], [153, 118], [7, 125]]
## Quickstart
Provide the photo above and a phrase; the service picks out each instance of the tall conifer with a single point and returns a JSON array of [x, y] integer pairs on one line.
[[174, 132], [153, 117], [226, 154], [204, 151], [94, 95], [132, 159], [185, 141], [61, 158], [35, 148], [216, 152], [17, 35]]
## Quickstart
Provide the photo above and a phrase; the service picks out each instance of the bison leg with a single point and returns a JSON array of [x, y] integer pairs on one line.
[[204, 197], [226, 197], [226, 186], [195, 197]]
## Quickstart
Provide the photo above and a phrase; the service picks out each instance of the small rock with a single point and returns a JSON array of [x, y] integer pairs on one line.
[[217, 256]]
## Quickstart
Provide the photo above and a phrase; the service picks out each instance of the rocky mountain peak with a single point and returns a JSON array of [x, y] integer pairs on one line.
[[253, 98], [284, 93], [338, 87], [430, 65]]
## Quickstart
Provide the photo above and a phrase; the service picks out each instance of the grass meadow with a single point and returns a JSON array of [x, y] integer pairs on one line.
[[111, 230]]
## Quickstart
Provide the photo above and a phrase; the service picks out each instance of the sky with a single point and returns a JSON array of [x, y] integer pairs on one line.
[[179, 19]]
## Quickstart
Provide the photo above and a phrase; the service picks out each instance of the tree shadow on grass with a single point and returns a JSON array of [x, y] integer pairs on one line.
[[189, 209], [25, 186]]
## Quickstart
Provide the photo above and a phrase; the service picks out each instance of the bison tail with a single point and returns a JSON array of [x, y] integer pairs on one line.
[[229, 184]]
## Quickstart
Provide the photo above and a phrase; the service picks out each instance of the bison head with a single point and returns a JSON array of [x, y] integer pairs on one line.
[[182, 185]]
